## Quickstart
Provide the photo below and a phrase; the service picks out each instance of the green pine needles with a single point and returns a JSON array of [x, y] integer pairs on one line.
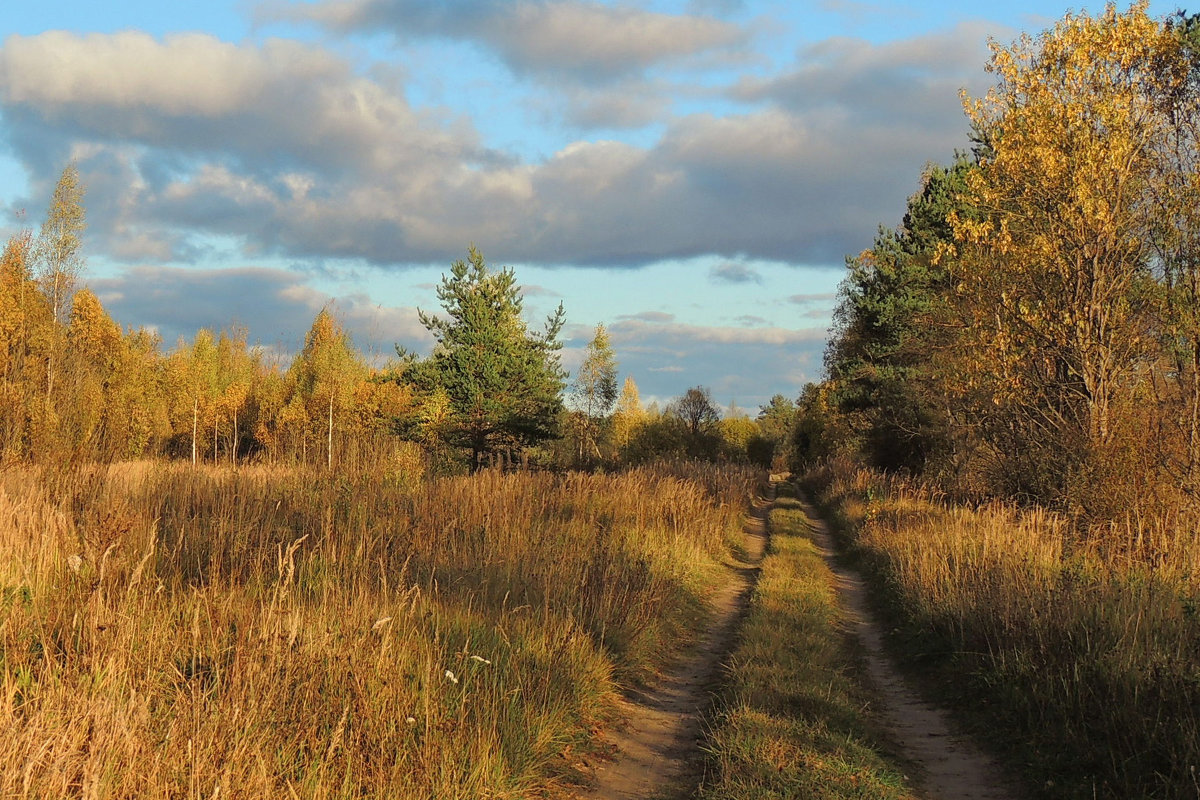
[[503, 382]]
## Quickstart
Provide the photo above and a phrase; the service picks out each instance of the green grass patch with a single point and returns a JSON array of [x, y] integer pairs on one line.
[[792, 719]]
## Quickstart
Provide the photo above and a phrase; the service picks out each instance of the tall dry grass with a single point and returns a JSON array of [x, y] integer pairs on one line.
[[270, 632], [1081, 647]]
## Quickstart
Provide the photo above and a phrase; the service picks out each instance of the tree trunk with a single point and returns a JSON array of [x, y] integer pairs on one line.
[[195, 423]]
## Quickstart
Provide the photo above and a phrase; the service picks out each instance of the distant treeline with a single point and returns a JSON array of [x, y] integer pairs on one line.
[[74, 386]]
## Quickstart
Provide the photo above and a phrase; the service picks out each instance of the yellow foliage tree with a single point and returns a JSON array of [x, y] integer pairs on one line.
[[628, 413], [1054, 270]]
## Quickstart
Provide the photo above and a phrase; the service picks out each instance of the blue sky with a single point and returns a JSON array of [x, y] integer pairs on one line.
[[689, 173]]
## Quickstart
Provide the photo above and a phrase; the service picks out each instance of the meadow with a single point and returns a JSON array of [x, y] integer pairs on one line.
[[1076, 649], [178, 631]]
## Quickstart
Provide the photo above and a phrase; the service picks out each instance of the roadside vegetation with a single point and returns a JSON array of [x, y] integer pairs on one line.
[[1009, 425], [275, 632], [1079, 656], [793, 716]]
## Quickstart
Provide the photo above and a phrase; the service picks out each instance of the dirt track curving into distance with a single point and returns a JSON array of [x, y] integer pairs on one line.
[[656, 751], [951, 766]]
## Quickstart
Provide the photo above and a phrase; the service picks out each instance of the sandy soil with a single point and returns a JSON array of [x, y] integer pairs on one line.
[[951, 767], [656, 753]]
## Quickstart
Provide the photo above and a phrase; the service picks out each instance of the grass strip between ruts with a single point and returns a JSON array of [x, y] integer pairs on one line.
[[793, 717]]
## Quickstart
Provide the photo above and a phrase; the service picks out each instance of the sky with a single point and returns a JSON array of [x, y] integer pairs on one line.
[[689, 173]]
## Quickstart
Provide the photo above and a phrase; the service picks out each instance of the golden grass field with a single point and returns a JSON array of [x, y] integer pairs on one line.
[[171, 632], [1078, 651]]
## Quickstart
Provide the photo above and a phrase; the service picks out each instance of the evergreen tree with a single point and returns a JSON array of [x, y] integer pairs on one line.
[[890, 328], [504, 384]]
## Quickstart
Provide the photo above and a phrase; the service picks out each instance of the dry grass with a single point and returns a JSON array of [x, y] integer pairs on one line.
[[171, 632], [793, 718], [1083, 649]]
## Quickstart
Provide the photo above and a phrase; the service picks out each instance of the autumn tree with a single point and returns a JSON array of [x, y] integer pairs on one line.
[[58, 245], [775, 420], [326, 374], [58, 260], [1055, 273], [27, 330], [628, 412], [504, 384], [95, 356], [740, 438], [698, 416], [1175, 239], [815, 435], [594, 392]]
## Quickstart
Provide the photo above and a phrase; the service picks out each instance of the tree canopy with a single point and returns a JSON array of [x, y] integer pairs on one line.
[[503, 383], [1030, 331]]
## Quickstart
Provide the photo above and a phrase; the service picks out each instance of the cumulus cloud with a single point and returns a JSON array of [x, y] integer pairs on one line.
[[729, 360], [907, 82], [628, 104], [280, 104], [730, 272], [588, 42], [290, 152], [275, 306]]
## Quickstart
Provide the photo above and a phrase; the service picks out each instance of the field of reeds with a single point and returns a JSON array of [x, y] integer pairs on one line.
[[1079, 650], [793, 716], [167, 631]]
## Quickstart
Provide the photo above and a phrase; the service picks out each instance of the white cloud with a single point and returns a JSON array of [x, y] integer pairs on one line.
[[585, 41], [293, 153], [275, 306]]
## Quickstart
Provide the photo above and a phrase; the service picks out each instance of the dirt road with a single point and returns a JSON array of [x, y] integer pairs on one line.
[[657, 750], [951, 766]]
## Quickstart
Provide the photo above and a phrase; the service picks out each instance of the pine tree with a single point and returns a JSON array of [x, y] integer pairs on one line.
[[504, 383]]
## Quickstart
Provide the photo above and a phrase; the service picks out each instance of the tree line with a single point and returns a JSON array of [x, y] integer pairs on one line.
[[1031, 330], [75, 386]]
